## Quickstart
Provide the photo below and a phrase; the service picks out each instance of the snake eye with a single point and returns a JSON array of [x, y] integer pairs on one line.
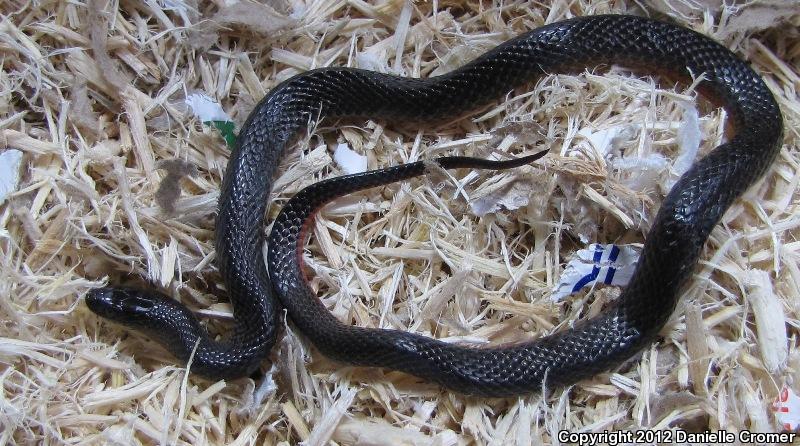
[[136, 304]]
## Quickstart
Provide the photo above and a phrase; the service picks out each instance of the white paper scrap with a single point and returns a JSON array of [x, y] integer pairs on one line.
[[609, 264], [601, 140], [787, 409], [511, 198], [10, 160], [349, 160], [372, 60], [206, 109], [689, 138]]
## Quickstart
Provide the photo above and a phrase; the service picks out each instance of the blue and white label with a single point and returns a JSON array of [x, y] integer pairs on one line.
[[609, 264]]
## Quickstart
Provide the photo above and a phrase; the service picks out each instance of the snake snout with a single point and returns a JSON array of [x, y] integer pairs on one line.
[[101, 301]]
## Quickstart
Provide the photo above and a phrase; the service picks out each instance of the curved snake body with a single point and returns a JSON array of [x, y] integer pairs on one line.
[[690, 211]]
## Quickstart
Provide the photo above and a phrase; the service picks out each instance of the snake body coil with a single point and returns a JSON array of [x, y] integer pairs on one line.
[[690, 211]]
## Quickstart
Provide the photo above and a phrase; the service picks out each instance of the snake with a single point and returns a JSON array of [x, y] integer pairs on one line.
[[692, 208]]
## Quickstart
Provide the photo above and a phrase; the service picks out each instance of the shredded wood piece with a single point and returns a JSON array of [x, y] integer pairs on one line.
[[95, 102]]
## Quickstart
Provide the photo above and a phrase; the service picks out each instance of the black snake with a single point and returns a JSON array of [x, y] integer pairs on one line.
[[690, 211]]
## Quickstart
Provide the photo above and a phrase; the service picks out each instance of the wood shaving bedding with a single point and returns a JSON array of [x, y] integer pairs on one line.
[[94, 98]]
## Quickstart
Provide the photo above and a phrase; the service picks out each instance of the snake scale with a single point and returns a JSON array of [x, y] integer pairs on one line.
[[672, 247]]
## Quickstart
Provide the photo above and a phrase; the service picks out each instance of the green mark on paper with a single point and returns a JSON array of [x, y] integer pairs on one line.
[[226, 129]]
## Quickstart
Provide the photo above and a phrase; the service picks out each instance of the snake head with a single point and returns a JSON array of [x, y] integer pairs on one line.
[[128, 306], [154, 314]]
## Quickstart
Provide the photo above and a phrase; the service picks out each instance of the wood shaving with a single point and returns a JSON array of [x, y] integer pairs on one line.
[[94, 97]]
